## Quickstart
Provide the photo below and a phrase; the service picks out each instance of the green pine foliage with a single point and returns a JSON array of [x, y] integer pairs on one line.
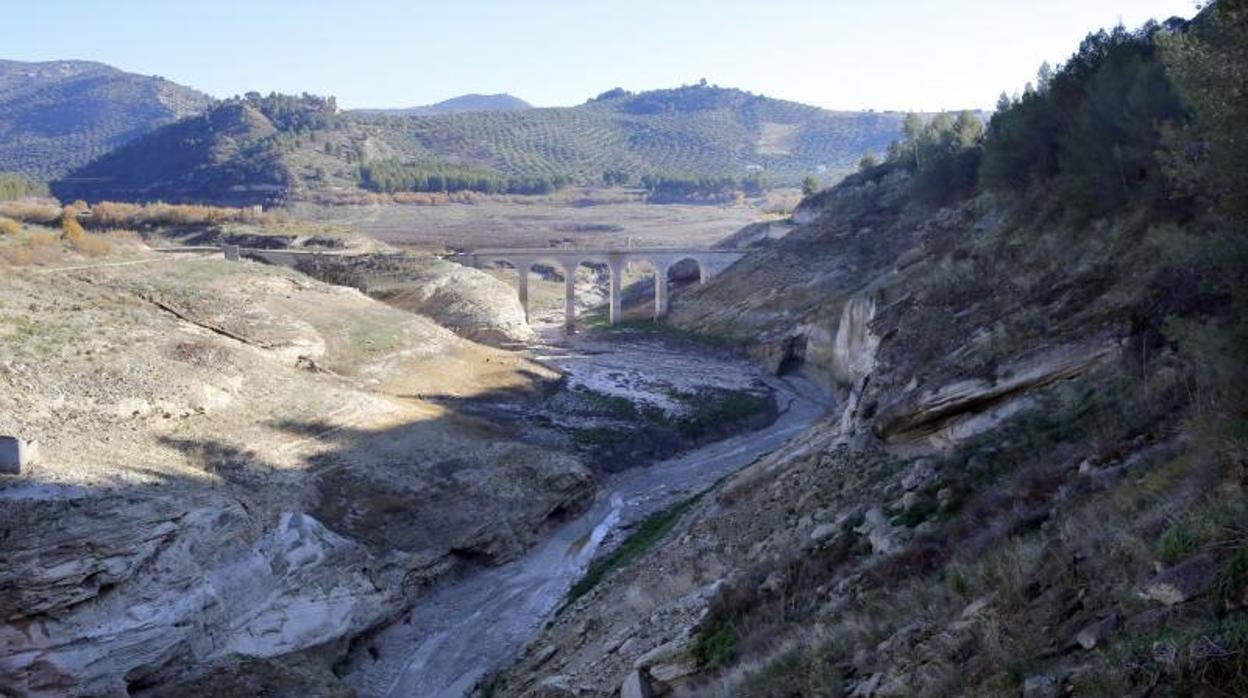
[[391, 176]]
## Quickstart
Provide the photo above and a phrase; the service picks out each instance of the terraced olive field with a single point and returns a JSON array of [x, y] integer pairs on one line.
[[277, 149]]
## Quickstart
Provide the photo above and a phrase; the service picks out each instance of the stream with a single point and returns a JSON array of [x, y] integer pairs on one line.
[[470, 626]]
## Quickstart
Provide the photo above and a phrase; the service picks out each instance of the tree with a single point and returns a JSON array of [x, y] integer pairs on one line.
[[810, 185], [1208, 69], [968, 130], [912, 130], [868, 161], [1044, 77]]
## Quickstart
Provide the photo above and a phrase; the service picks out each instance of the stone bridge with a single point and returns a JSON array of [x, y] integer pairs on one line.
[[710, 262]]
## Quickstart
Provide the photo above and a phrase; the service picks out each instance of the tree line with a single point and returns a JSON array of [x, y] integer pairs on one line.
[[691, 186], [391, 176]]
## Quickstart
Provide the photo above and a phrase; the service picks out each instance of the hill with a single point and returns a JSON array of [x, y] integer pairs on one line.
[[56, 116], [707, 131], [1034, 480], [459, 105]]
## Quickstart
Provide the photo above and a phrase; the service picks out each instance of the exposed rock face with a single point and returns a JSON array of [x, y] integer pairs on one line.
[[467, 301], [964, 408], [170, 584], [248, 472]]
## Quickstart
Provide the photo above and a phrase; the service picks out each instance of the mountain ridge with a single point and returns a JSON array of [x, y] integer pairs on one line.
[[56, 116], [617, 137], [470, 102]]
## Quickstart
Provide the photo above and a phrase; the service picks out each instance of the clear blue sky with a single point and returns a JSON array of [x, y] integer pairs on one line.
[[846, 54]]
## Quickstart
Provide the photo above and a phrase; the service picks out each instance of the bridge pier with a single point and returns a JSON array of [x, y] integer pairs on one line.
[[617, 270], [660, 290], [710, 263], [522, 269]]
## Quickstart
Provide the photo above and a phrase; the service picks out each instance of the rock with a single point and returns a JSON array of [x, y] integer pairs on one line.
[[1182, 582], [824, 532], [882, 535], [920, 474], [636, 685], [173, 583], [671, 671], [910, 499], [544, 655], [663, 653], [1096, 632], [1040, 686], [554, 686], [944, 496], [772, 584], [867, 687]]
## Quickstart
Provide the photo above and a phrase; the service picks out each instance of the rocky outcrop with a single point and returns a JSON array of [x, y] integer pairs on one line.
[[467, 301], [955, 411], [110, 598]]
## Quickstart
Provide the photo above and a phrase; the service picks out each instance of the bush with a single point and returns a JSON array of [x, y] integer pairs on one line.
[[8, 226], [39, 213]]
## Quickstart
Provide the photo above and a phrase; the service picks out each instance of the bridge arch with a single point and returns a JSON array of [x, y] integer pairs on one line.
[[664, 261]]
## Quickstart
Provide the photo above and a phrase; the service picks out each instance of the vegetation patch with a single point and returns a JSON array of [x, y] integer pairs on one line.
[[644, 537]]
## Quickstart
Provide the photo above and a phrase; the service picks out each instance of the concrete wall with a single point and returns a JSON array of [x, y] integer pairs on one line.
[[16, 454]]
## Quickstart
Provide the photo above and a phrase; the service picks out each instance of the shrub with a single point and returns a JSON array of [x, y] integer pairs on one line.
[[8, 226], [36, 247], [40, 213], [71, 229]]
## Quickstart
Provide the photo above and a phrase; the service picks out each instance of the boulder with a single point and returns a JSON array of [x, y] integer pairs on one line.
[[1182, 582], [1096, 632], [883, 536]]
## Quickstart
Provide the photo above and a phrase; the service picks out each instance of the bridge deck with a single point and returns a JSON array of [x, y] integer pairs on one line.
[[603, 250]]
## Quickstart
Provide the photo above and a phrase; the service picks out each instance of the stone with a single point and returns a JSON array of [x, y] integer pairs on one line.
[[881, 534], [868, 687], [16, 453], [636, 685], [824, 532], [544, 655], [671, 671], [772, 584], [1040, 686], [554, 686], [920, 474], [663, 653], [910, 499], [1096, 632], [1182, 582]]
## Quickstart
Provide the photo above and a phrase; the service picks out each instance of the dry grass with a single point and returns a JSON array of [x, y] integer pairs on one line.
[[37, 212], [114, 214], [35, 247], [8, 226]]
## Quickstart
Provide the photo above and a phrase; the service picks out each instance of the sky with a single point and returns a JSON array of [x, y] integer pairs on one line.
[[922, 55]]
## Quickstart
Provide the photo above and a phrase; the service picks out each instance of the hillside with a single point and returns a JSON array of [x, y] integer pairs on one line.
[[240, 154], [56, 116], [457, 105], [1034, 480]]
